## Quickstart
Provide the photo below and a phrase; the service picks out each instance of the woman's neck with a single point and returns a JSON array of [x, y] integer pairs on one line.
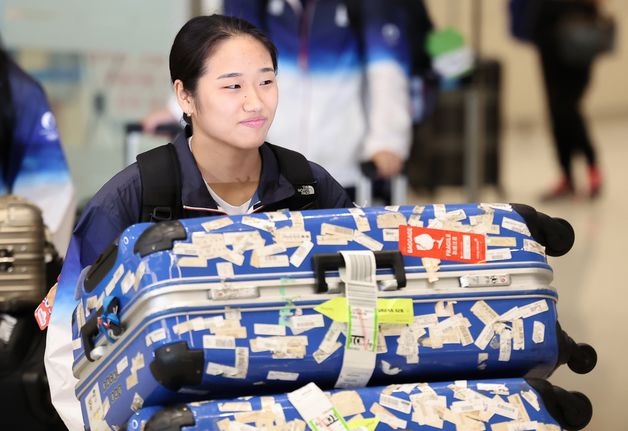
[[232, 173]]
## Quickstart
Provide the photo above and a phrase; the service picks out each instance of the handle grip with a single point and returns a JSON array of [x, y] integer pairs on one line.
[[333, 261]]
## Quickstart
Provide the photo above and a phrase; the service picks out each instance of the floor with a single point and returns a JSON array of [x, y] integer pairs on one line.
[[593, 291]]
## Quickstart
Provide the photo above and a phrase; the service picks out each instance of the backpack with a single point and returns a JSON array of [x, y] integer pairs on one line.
[[161, 194]]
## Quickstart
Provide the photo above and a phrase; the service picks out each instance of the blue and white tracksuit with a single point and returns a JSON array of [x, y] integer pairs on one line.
[[37, 167], [338, 104]]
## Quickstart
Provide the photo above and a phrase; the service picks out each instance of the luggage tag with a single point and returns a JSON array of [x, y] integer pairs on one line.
[[442, 244], [44, 309], [451, 57]]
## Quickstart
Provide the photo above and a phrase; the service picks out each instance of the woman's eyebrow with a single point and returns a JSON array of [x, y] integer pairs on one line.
[[238, 74]]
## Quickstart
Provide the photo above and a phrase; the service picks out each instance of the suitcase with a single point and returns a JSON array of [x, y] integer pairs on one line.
[[24, 396], [22, 266], [216, 307], [437, 156], [497, 405]]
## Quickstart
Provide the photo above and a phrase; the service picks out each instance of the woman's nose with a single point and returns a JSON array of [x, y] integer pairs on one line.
[[252, 101]]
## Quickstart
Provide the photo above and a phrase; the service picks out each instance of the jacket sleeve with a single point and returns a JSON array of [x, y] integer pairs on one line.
[[59, 358], [39, 171], [387, 62], [330, 193]]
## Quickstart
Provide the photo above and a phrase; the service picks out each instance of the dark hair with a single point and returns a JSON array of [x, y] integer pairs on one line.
[[197, 40]]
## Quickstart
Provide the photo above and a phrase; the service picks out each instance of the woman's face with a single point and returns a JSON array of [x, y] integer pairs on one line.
[[236, 98]]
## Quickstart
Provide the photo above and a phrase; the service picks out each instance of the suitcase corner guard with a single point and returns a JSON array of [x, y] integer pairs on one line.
[[176, 366], [572, 410], [556, 234], [159, 237], [172, 418]]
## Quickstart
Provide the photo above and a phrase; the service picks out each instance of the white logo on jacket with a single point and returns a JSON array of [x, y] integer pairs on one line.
[[49, 126]]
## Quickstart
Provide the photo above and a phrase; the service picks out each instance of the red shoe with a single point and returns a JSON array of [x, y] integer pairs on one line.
[[595, 182], [563, 190]]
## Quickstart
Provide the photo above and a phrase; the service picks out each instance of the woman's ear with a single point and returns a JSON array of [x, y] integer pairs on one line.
[[184, 98]]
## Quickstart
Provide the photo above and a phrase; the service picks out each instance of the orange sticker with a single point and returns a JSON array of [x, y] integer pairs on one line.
[[44, 310], [442, 244]]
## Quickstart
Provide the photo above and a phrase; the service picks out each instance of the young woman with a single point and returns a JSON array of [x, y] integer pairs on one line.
[[224, 74]]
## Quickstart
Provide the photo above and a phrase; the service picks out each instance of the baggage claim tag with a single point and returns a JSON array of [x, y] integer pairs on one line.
[[442, 244], [361, 346], [316, 409]]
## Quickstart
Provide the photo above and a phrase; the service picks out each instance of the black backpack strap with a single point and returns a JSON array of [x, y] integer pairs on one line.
[[161, 184], [295, 167]]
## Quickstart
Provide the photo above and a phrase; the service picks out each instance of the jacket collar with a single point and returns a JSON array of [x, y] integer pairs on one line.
[[273, 187]]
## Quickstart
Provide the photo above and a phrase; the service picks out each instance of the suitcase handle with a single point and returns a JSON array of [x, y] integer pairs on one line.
[[91, 328], [323, 262]]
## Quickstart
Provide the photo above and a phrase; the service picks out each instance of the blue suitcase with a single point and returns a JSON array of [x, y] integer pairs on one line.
[[220, 307], [497, 405]]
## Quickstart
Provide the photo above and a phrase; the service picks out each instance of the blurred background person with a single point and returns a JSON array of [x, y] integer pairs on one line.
[[566, 78], [33, 164]]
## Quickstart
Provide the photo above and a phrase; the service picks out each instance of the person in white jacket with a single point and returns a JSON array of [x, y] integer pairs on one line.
[[344, 70]]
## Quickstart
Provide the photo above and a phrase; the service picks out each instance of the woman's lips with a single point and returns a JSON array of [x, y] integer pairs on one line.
[[254, 123]]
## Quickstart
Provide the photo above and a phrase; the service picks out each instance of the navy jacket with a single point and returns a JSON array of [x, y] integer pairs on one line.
[[118, 204]]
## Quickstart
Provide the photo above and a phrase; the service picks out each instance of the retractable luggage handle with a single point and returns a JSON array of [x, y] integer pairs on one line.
[[398, 185], [332, 261], [133, 132]]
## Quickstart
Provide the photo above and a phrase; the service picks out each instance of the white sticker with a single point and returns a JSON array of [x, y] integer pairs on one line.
[[192, 262], [515, 226], [395, 403], [538, 332], [127, 282], [274, 261], [185, 249], [387, 417], [316, 409], [215, 224], [390, 220], [114, 280], [268, 329], [532, 399], [533, 246], [391, 235], [389, 369], [501, 241], [518, 335], [235, 406], [334, 230], [505, 346], [493, 254], [224, 270], [321, 355], [415, 220], [122, 365], [301, 253], [331, 240], [300, 324], [218, 342], [155, 336], [367, 241], [259, 223], [282, 375], [484, 312]]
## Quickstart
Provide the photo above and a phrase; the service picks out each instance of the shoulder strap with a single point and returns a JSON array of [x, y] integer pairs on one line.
[[161, 184], [295, 167]]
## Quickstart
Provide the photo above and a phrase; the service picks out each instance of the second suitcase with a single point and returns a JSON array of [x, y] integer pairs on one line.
[[218, 307], [496, 405]]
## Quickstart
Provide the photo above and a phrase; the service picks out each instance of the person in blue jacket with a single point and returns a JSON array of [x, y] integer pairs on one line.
[[33, 165], [223, 72]]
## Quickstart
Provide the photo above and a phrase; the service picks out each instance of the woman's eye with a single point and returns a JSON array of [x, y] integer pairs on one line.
[[233, 86], [267, 82]]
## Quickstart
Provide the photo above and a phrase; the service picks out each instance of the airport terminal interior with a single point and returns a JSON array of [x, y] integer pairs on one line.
[[113, 69]]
